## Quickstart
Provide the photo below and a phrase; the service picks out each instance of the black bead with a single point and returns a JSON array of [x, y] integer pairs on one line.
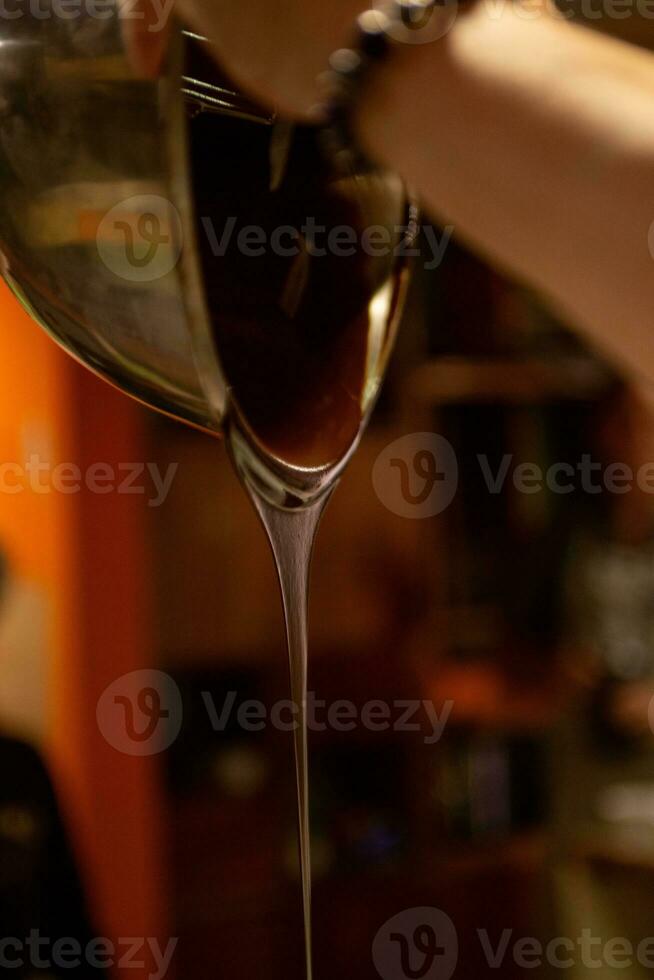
[[374, 42]]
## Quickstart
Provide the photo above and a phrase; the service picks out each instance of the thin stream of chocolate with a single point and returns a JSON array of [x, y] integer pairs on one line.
[[292, 534]]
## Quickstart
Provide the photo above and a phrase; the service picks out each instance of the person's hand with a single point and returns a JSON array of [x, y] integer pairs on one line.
[[273, 51]]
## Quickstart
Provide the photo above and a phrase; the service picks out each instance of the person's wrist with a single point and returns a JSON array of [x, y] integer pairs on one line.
[[327, 27], [321, 29], [385, 117], [275, 55], [419, 86]]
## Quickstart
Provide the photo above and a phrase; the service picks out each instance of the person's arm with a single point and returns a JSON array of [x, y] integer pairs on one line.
[[533, 137]]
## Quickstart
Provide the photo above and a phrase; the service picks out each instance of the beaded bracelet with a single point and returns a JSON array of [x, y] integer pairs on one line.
[[377, 32]]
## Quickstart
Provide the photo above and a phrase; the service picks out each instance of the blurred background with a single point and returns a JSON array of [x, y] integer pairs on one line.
[[532, 613]]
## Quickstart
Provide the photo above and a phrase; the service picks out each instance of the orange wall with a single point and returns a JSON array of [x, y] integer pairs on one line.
[[89, 555]]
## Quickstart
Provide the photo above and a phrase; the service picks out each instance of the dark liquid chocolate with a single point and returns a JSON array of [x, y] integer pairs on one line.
[[289, 316]]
